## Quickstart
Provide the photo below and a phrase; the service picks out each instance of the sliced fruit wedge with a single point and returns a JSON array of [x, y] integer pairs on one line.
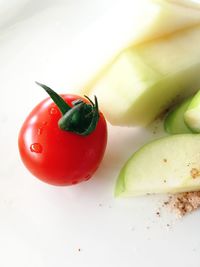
[[144, 80], [192, 114], [122, 25], [168, 165], [174, 122]]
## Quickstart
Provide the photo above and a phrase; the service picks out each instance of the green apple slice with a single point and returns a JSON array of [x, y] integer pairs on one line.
[[168, 165], [174, 122], [192, 114], [144, 80]]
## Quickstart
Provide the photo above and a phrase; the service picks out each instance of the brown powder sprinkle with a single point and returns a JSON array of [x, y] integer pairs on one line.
[[165, 160], [184, 203], [166, 203], [195, 173]]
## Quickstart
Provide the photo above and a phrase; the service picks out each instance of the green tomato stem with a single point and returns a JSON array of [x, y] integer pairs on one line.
[[81, 118], [58, 100]]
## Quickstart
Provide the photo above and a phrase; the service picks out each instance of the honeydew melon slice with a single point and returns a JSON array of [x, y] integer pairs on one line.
[[124, 24], [144, 80], [168, 165]]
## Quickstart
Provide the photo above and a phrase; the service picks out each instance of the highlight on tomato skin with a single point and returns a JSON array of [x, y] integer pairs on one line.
[[63, 157]]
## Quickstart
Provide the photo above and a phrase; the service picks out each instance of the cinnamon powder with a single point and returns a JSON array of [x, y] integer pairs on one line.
[[184, 203]]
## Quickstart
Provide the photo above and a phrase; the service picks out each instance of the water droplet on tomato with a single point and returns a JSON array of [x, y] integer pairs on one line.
[[36, 147], [53, 111]]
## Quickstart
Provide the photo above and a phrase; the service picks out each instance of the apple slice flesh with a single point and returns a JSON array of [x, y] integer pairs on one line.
[[192, 114], [167, 165], [144, 80], [174, 122]]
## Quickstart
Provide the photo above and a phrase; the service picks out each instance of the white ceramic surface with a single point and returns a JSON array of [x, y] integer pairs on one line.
[[84, 225]]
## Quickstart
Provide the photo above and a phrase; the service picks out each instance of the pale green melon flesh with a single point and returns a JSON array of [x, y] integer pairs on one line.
[[192, 114], [96, 47], [168, 165], [174, 122], [145, 79]]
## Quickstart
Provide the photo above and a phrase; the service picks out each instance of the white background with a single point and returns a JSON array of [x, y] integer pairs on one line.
[[84, 225]]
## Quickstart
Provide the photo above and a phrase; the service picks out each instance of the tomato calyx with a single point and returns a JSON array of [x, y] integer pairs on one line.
[[81, 118]]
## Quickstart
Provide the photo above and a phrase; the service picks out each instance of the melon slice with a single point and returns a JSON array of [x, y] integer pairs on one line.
[[125, 24], [145, 79]]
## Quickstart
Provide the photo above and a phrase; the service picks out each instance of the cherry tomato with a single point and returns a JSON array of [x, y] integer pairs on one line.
[[57, 156]]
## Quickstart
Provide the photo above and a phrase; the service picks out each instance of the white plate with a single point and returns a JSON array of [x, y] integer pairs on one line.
[[84, 225]]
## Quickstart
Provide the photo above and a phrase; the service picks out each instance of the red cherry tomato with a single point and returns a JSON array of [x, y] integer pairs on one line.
[[56, 156]]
